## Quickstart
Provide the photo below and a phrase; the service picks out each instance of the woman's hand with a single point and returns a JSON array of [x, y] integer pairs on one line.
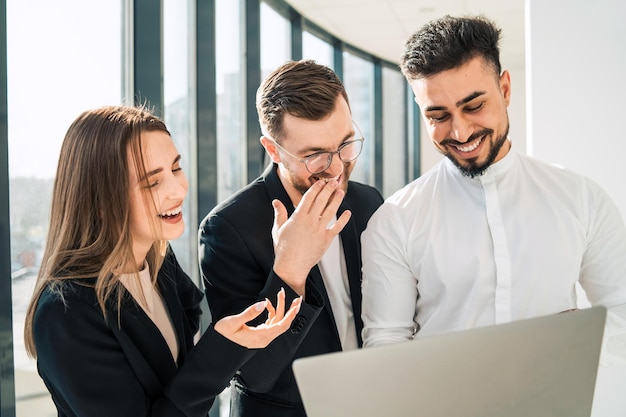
[[234, 328]]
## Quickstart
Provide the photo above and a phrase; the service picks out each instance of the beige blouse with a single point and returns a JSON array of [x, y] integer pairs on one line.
[[151, 302]]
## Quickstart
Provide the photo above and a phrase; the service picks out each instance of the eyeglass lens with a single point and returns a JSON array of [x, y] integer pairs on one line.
[[321, 161]]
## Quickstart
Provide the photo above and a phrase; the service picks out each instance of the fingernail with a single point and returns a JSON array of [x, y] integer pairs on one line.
[[282, 289], [260, 306]]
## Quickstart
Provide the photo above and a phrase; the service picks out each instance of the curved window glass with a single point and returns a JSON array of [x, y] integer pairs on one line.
[[358, 78], [231, 154], [53, 76], [395, 163], [180, 115], [317, 49], [275, 40]]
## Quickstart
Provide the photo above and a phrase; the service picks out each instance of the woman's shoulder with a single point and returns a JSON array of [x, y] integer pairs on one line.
[[66, 308], [60, 296]]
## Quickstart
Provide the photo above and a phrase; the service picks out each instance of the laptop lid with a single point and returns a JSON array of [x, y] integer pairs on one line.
[[543, 366]]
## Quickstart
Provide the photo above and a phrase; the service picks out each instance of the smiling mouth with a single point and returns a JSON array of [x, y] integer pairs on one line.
[[469, 147], [326, 179], [170, 214]]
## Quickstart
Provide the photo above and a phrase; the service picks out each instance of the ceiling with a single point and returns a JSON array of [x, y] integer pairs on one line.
[[381, 27]]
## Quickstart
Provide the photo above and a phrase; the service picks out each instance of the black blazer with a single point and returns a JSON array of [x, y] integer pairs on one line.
[[236, 259], [94, 368]]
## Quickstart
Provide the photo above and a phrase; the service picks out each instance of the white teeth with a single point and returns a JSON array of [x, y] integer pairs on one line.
[[470, 147], [173, 212], [330, 179]]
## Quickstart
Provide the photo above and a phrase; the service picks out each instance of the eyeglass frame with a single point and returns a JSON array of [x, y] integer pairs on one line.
[[330, 154]]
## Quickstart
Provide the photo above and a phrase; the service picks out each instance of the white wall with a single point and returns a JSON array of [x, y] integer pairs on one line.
[[576, 80], [576, 69]]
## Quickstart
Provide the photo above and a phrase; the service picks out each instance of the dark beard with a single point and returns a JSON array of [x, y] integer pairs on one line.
[[474, 169]]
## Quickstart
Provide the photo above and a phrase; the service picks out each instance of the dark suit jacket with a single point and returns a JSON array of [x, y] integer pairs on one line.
[[236, 259], [93, 368]]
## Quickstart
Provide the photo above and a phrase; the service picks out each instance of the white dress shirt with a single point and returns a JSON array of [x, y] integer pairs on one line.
[[448, 252], [335, 276]]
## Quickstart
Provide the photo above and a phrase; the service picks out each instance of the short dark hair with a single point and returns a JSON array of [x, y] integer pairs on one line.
[[300, 88], [450, 42]]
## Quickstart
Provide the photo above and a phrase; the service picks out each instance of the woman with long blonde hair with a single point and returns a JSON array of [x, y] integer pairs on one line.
[[113, 316]]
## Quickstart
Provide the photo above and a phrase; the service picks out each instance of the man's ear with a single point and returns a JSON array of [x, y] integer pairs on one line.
[[505, 86], [270, 148]]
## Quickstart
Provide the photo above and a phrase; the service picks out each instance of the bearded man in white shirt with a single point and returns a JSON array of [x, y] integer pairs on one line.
[[488, 235]]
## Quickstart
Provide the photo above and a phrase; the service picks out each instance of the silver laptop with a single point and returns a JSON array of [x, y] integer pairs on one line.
[[538, 367]]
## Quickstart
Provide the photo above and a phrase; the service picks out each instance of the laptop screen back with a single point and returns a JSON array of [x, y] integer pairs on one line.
[[544, 366]]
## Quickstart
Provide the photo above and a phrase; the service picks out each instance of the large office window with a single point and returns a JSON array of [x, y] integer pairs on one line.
[[178, 32], [395, 155], [275, 40], [275, 51], [317, 49], [358, 78], [231, 148], [63, 58]]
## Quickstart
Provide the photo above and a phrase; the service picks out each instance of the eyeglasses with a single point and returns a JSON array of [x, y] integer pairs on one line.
[[320, 161]]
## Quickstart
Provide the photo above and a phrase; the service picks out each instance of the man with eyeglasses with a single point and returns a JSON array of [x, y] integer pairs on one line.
[[305, 197]]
